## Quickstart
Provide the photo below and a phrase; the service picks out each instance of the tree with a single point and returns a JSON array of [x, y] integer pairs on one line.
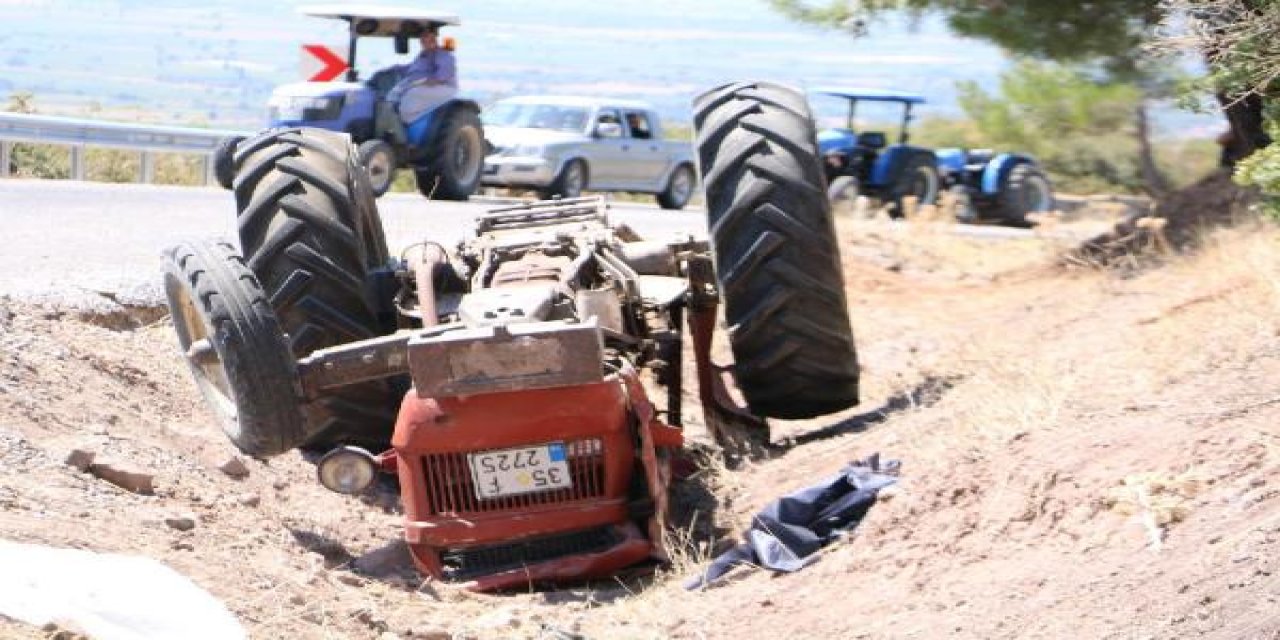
[[1111, 33], [1108, 30], [1078, 128], [1239, 40]]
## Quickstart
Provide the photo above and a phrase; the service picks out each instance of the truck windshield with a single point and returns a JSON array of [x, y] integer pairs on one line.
[[536, 116]]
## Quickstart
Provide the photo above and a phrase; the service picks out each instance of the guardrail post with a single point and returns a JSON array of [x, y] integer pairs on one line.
[[77, 162], [206, 163], [6, 156], [146, 168]]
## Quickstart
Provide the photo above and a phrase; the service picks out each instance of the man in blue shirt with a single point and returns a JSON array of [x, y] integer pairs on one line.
[[430, 80]]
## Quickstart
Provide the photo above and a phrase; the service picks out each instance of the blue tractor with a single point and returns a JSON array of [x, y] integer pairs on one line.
[[445, 147], [1004, 187]]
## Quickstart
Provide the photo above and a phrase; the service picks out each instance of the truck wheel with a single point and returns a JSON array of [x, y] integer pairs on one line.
[[679, 188], [918, 179], [455, 159], [569, 184], [234, 347], [775, 250], [379, 160], [224, 168], [1026, 190], [310, 230]]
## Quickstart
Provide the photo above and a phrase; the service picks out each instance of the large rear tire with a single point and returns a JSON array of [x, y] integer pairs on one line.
[[234, 347], [775, 251], [1026, 190], [224, 167], [310, 230], [455, 159]]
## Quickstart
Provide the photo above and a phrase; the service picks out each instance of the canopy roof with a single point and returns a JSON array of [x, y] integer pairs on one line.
[[881, 95], [383, 20]]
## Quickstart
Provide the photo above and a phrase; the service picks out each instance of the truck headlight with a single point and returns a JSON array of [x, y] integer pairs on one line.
[[527, 150]]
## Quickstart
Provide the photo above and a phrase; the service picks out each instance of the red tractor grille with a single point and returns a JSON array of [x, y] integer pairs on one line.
[[452, 492]]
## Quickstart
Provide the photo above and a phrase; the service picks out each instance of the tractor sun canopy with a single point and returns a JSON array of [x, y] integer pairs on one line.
[[378, 20], [877, 95]]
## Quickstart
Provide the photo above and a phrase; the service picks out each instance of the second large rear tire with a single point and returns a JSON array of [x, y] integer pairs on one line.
[[310, 232], [455, 158], [775, 251]]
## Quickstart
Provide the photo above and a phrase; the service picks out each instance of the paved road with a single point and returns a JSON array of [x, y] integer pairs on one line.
[[64, 239]]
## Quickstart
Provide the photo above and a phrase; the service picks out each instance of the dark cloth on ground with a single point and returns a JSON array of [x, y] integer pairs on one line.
[[787, 534]]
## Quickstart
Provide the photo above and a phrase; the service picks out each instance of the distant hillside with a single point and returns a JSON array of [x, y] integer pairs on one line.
[[216, 62]]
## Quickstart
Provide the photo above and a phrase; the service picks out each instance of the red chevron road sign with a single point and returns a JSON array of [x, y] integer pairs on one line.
[[322, 63]]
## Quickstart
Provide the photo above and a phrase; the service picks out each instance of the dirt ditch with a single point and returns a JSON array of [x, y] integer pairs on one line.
[[1084, 455]]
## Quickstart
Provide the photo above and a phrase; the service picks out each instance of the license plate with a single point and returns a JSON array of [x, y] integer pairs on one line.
[[522, 470]]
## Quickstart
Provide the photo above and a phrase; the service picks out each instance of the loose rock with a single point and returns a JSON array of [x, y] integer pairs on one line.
[[80, 459], [181, 523], [248, 500], [133, 481], [234, 467]]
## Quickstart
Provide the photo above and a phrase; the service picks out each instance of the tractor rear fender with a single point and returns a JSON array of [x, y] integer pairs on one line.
[[423, 130], [891, 162], [836, 141], [951, 160], [998, 169]]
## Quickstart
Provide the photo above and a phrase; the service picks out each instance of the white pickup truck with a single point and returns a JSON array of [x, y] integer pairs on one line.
[[562, 145]]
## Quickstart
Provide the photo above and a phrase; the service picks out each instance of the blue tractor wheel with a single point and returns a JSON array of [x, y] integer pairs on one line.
[[455, 157], [919, 178], [1026, 190]]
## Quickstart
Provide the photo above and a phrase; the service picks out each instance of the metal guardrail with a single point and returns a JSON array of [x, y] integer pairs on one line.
[[79, 133]]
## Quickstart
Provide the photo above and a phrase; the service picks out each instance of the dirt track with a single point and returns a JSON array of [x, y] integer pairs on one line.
[[1084, 455]]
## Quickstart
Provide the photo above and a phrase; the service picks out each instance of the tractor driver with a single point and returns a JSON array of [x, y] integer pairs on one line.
[[427, 82]]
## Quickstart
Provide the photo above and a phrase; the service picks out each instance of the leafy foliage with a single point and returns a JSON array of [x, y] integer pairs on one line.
[[1262, 170], [1080, 128], [1107, 30], [1239, 40]]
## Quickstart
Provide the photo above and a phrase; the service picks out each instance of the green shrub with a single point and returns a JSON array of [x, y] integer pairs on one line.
[[1262, 170], [45, 161]]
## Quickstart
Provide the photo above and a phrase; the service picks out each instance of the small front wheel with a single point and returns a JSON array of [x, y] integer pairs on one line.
[[234, 346], [379, 161], [918, 179]]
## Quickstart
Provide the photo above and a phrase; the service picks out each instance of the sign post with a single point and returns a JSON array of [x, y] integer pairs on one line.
[[323, 63]]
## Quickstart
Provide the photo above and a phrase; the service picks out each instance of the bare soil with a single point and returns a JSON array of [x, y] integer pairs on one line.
[[1086, 453]]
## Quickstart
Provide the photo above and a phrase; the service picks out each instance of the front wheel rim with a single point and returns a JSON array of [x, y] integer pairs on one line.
[[203, 358]]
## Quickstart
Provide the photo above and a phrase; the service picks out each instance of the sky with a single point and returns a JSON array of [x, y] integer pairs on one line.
[[219, 59]]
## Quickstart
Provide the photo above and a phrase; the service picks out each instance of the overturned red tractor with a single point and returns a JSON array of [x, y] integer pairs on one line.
[[507, 383]]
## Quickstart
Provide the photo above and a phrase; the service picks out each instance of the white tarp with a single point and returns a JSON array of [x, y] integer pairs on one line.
[[108, 596]]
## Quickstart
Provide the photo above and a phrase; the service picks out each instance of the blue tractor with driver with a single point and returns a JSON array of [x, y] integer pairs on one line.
[[1003, 187], [445, 147]]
